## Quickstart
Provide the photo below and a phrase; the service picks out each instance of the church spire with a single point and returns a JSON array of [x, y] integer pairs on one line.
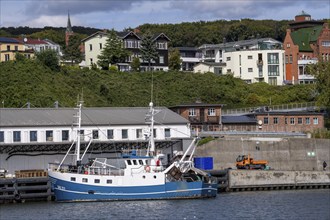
[[68, 31], [68, 26]]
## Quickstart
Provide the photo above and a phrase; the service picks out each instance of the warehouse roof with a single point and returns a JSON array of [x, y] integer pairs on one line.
[[10, 117]]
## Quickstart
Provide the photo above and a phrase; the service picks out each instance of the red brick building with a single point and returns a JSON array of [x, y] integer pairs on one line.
[[208, 117], [202, 117], [305, 42], [298, 121]]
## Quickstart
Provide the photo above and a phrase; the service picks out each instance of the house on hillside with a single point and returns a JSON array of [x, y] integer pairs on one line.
[[10, 46], [190, 56], [305, 42], [254, 60], [204, 67], [38, 45], [131, 41]]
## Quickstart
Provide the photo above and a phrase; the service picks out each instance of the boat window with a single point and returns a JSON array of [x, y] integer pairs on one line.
[[109, 181], [84, 180], [129, 162], [73, 178], [96, 181], [134, 162], [146, 162], [143, 177], [155, 177], [140, 162]]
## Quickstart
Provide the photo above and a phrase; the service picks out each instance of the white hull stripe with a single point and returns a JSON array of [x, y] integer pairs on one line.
[[132, 194]]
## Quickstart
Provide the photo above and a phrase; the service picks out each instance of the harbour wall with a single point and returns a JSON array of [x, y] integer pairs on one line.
[[240, 179], [287, 154]]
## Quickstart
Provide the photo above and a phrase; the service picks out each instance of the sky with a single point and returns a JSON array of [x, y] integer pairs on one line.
[[121, 14]]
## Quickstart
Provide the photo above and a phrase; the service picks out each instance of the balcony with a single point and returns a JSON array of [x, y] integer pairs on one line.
[[260, 62]]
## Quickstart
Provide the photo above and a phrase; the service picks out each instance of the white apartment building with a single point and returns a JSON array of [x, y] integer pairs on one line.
[[255, 60], [256, 65]]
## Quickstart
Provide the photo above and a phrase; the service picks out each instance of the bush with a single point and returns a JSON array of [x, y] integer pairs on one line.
[[205, 140]]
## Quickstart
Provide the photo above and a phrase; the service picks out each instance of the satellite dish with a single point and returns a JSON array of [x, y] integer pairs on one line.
[[25, 39], [259, 122]]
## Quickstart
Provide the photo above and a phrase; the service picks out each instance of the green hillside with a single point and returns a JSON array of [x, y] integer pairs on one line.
[[29, 81]]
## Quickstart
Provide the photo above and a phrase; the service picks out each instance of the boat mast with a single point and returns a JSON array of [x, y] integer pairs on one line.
[[78, 133], [151, 140]]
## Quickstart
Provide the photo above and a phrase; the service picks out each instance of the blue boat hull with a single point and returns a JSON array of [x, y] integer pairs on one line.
[[67, 191]]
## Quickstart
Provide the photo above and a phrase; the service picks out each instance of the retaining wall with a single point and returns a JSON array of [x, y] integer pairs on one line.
[[298, 154]]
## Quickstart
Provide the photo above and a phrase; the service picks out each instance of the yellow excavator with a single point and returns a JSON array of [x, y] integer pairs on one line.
[[247, 162]]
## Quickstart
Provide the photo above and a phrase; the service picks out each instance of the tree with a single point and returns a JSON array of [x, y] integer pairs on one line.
[[135, 65], [72, 52], [19, 57], [321, 72], [174, 62], [148, 49], [49, 58], [113, 52]]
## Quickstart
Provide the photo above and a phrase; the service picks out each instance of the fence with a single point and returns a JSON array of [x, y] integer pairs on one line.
[[301, 106]]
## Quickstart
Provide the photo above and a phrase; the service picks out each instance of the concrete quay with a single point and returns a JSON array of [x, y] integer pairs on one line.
[[251, 180]]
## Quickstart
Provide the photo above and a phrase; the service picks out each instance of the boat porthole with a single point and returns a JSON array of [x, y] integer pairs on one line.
[[155, 177], [143, 177]]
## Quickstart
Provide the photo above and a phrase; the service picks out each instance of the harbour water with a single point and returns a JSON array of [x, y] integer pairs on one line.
[[295, 204]]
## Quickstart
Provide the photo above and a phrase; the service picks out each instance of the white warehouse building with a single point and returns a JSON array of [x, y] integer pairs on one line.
[[31, 138]]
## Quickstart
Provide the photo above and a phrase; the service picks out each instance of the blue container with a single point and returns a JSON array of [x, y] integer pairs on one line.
[[204, 163]]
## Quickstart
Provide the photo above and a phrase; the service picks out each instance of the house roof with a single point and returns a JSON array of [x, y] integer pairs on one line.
[[288, 113], [304, 36], [238, 119], [158, 35], [31, 41], [241, 43], [102, 33], [124, 34], [8, 40], [186, 48], [197, 105], [211, 64], [24, 117]]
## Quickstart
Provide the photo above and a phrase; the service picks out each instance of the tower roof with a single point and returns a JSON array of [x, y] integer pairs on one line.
[[303, 13], [68, 26]]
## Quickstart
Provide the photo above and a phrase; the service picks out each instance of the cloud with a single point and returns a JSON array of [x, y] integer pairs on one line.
[[56, 7], [119, 14], [236, 9]]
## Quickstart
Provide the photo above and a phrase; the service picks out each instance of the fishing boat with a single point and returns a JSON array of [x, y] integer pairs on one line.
[[131, 176]]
